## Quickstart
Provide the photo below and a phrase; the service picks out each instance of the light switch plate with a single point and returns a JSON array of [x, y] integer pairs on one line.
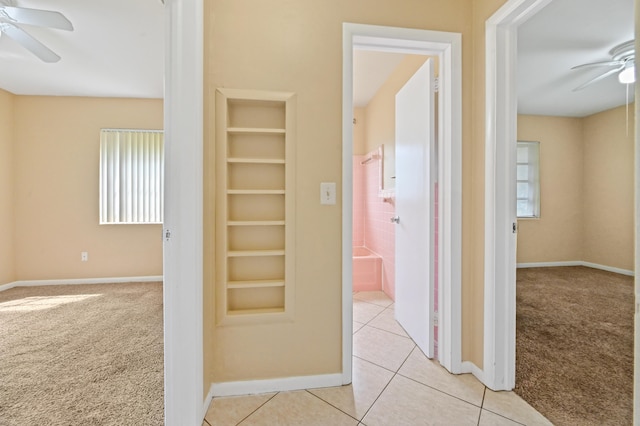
[[328, 193]]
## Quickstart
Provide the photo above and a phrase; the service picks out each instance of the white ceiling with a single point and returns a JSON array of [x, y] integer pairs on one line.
[[115, 50], [370, 70], [563, 34]]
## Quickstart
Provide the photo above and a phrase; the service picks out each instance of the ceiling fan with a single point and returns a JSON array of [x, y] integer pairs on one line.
[[622, 62], [12, 18]]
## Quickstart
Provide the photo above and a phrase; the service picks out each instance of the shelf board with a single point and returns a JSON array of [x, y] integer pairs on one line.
[[255, 191], [255, 284], [256, 223], [256, 160], [256, 130], [244, 312], [255, 253]]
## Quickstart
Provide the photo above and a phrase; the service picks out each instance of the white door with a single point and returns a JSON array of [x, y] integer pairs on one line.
[[415, 177]]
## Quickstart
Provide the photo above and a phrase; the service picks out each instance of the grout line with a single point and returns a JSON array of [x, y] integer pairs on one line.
[[259, 407], [439, 390], [331, 405], [205, 420], [484, 392]]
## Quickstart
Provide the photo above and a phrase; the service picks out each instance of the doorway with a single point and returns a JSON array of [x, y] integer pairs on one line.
[[501, 39], [447, 47], [394, 172]]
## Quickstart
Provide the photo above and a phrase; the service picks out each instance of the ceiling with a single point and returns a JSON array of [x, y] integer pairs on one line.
[[115, 50], [563, 34]]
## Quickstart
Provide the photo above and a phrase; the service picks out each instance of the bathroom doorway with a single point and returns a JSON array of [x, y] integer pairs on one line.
[[446, 48], [394, 236]]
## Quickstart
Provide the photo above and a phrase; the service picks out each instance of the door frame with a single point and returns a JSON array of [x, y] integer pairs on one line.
[[500, 193], [184, 403], [448, 47]]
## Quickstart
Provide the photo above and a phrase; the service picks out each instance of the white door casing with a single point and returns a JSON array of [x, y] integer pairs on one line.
[[448, 47], [183, 124], [500, 194], [416, 167]]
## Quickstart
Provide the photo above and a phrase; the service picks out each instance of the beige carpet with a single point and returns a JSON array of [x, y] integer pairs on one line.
[[574, 344], [81, 355]]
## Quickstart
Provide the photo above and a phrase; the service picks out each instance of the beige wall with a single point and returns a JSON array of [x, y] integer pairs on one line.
[[586, 186], [381, 114], [7, 269], [557, 235], [609, 189], [56, 163], [297, 46]]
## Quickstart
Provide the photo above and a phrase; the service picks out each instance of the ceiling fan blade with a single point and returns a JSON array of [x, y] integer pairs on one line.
[[599, 64], [29, 43], [598, 78], [41, 18]]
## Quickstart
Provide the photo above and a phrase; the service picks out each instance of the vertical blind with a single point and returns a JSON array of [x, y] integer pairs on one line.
[[131, 176]]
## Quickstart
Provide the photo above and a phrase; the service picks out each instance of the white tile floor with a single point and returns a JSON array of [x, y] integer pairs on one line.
[[393, 384]]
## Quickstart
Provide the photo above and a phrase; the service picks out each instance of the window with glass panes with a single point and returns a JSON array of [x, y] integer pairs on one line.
[[528, 179]]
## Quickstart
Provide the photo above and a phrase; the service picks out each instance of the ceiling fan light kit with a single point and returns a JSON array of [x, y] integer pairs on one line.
[[12, 18], [622, 61], [628, 74]]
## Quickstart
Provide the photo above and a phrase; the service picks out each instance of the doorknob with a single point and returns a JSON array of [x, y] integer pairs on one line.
[[395, 219]]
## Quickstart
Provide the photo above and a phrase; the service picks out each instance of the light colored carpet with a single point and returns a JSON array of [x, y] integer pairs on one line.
[[81, 355], [574, 344]]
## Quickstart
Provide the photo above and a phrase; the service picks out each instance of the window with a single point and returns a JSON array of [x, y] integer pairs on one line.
[[528, 179], [131, 176]]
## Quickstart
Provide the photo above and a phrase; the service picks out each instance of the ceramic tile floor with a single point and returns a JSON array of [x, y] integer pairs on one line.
[[393, 384]]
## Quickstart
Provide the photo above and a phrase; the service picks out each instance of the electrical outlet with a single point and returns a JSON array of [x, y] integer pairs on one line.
[[84, 256]]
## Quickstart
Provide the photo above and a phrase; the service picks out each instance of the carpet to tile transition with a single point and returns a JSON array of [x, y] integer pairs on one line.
[[81, 355], [574, 344]]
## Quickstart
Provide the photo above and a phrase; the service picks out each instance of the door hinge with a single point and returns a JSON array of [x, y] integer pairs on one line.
[[514, 228], [436, 85], [167, 234], [435, 319]]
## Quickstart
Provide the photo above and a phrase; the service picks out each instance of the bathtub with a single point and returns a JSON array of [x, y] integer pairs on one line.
[[367, 270]]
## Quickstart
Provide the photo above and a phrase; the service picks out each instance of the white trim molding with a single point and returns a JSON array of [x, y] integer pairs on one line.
[[75, 281], [577, 263], [183, 217], [500, 210], [251, 387], [448, 47]]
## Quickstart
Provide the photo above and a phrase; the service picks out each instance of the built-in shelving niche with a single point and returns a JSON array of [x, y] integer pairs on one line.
[[255, 224]]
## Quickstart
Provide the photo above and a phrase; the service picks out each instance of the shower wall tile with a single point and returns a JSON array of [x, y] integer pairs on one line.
[[379, 231]]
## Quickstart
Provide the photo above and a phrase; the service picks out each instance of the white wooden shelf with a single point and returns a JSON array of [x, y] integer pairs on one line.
[[256, 160], [255, 253], [256, 191], [255, 284], [256, 130], [255, 223], [255, 180]]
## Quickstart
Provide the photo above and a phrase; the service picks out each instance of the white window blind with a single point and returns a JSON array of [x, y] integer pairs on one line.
[[131, 176], [528, 179]]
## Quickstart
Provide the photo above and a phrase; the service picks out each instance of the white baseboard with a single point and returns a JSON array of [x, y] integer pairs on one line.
[[106, 280], [469, 367], [576, 263], [251, 387], [207, 402]]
